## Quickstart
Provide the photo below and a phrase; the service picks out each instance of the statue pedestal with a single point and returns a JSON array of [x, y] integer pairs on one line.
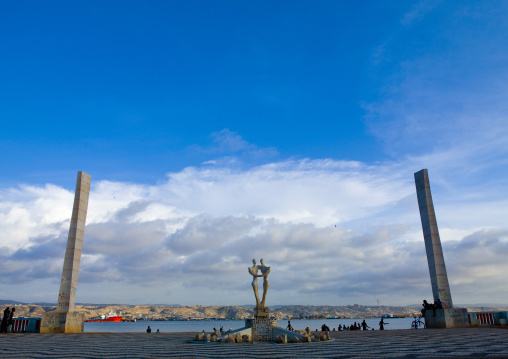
[[446, 318], [262, 312], [262, 328]]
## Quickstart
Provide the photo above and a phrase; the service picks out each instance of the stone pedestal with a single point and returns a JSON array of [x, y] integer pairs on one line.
[[62, 322], [262, 312], [262, 326], [446, 318], [262, 329]]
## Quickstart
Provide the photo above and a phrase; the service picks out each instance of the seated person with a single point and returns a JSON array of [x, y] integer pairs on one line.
[[425, 306]]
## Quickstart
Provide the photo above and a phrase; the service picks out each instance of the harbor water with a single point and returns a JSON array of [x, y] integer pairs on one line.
[[208, 325]]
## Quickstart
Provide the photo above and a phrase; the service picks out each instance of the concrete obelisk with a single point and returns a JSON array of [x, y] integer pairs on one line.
[[64, 319], [435, 258], [448, 317]]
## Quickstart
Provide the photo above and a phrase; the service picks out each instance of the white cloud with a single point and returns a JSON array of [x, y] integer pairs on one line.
[[227, 144], [419, 10], [31, 211], [334, 232], [229, 141]]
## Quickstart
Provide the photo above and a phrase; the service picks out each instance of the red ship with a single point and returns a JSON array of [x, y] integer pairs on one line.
[[112, 317]]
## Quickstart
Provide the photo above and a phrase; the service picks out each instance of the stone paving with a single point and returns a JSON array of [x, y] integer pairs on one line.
[[423, 343]]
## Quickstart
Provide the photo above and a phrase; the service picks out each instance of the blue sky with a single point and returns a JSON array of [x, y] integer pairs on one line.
[[144, 81], [209, 127]]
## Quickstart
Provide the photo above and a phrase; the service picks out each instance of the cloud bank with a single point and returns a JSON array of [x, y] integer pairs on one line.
[[334, 232]]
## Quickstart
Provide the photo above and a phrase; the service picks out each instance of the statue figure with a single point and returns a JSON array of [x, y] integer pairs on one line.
[[254, 272], [264, 273]]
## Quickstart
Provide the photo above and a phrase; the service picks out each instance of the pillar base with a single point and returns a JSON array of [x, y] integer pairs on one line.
[[446, 318], [62, 322]]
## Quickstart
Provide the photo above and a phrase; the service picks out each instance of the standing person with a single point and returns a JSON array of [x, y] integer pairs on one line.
[[148, 330], [340, 327], [382, 324], [364, 325], [289, 327], [5, 320], [10, 323]]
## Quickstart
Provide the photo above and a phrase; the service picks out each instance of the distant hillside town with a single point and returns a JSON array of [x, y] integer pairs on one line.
[[200, 312]]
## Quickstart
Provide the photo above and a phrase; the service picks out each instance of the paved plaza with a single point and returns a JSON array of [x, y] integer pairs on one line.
[[423, 343]]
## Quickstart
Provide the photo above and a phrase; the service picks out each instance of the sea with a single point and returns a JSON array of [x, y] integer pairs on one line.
[[208, 325]]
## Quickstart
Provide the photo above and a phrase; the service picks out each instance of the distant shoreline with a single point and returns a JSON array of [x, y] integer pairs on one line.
[[201, 312]]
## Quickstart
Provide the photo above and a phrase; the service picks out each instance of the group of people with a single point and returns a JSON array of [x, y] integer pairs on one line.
[[325, 328], [149, 330], [427, 306], [7, 320], [355, 326], [359, 326]]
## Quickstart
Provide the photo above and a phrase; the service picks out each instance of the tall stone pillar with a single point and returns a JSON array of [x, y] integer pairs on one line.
[[64, 319], [435, 258], [448, 317]]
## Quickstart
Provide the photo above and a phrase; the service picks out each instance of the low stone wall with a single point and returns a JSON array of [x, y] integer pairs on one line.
[[242, 335], [287, 335], [262, 330]]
